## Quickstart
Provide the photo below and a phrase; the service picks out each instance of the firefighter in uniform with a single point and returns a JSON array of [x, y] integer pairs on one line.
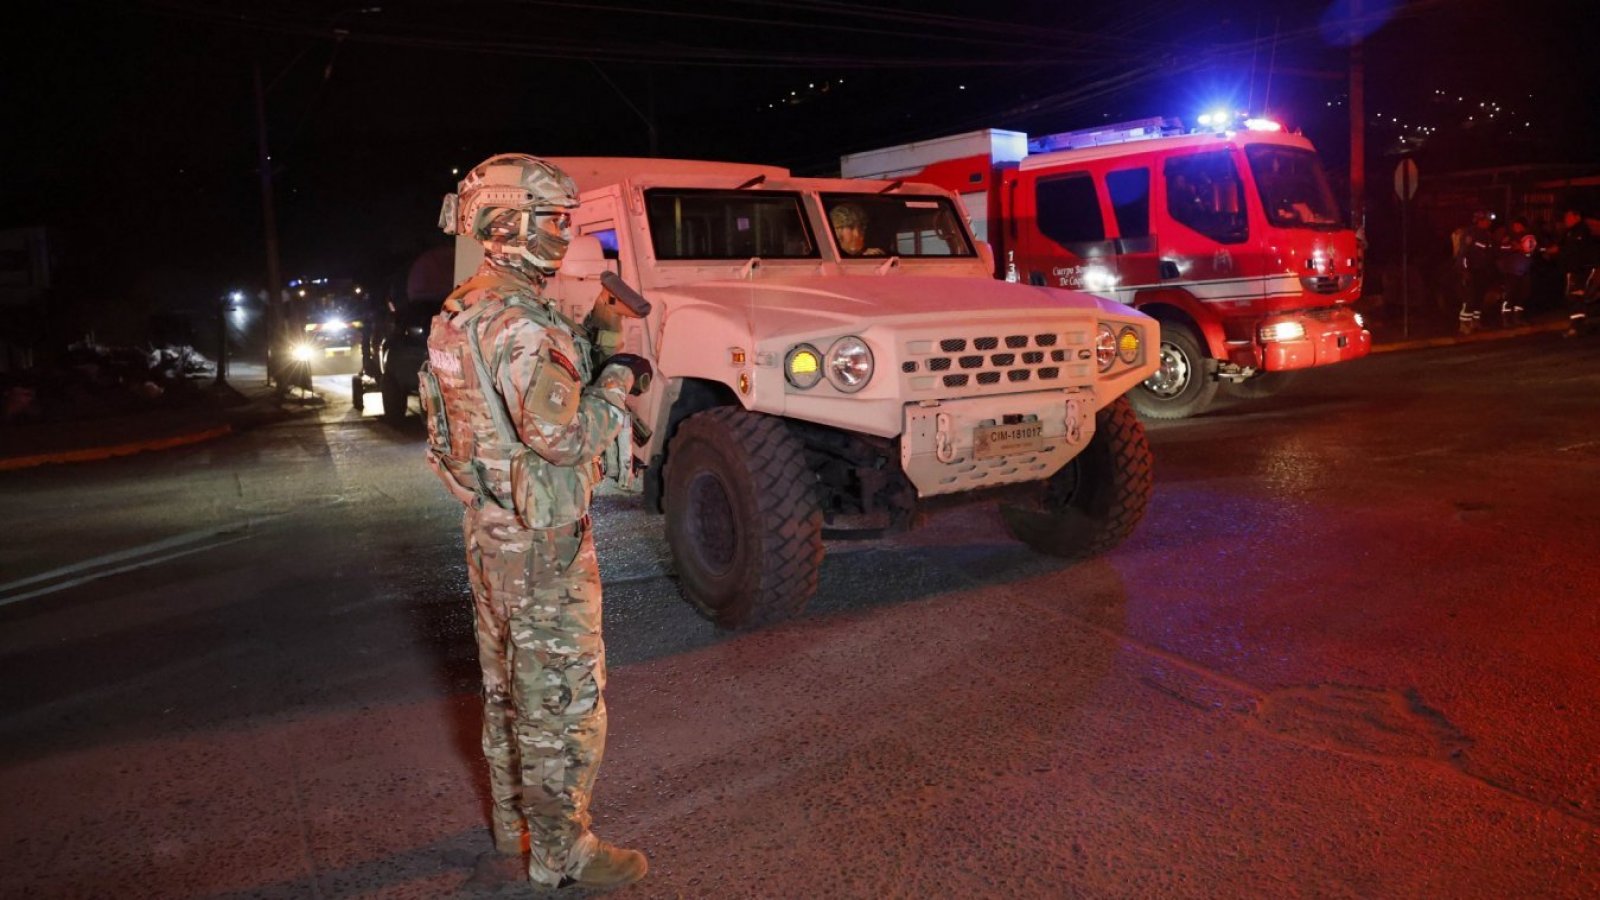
[[1577, 252], [1478, 255], [1516, 265], [516, 431]]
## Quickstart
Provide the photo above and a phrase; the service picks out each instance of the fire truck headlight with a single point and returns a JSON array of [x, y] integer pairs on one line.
[[300, 352], [1282, 331], [1105, 347], [1361, 321], [850, 364]]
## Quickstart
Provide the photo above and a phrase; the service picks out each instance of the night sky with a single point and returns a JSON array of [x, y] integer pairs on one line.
[[131, 126]]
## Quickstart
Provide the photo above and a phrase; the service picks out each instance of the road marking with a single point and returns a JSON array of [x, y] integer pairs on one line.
[[134, 559]]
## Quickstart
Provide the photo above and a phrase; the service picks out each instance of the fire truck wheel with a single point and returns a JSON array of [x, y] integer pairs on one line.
[[1097, 499], [743, 519], [1183, 386], [395, 398], [1261, 386]]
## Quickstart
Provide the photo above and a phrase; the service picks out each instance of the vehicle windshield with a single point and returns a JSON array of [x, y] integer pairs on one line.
[[698, 224], [907, 225], [1294, 190]]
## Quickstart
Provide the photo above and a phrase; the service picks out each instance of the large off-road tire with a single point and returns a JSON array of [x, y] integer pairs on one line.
[[1261, 386], [1097, 499], [743, 519], [395, 398], [1184, 385]]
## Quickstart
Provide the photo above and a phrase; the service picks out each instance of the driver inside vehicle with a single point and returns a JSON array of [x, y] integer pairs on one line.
[[850, 230]]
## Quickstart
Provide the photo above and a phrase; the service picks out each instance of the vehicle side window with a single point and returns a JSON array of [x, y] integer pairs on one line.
[[1204, 193], [608, 242], [1069, 210], [1130, 200]]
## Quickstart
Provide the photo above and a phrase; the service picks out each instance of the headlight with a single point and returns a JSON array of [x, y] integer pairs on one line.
[[1105, 347], [803, 366], [1361, 321], [1282, 331], [334, 325], [1128, 345], [849, 364], [301, 352]]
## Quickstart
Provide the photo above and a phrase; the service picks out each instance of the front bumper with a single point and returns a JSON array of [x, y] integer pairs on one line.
[[1331, 336], [940, 447]]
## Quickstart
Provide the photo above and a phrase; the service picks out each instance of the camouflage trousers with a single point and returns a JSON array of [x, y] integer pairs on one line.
[[536, 594]]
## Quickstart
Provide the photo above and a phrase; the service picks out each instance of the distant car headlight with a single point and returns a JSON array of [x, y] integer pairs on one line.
[[416, 331], [1282, 331], [1128, 343], [1105, 347], [803, 366], [334, 325], [849, 364], [301, 352]]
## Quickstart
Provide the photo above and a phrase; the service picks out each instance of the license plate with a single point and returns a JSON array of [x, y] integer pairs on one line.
[[1004, 440]]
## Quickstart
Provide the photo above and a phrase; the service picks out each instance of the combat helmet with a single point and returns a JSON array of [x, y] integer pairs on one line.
[[517, 207]]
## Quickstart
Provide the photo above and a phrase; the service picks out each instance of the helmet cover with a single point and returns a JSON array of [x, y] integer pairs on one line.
[[517, 207]]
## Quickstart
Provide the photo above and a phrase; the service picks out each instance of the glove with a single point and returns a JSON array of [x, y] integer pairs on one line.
[[637, 367]]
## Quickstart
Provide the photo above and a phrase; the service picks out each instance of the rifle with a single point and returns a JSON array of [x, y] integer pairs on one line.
[[617, 301]]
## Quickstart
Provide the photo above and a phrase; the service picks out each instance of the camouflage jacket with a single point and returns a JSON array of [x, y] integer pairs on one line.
[[510, 419]]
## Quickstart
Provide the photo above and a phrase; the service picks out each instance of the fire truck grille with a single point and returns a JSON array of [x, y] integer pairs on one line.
[[1327, 284], [1326, 314], [938, 367]]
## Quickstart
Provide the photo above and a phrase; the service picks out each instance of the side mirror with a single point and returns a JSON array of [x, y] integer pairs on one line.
[[585, 259]]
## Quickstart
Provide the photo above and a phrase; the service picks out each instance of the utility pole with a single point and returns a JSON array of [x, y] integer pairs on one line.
[[275, 323], [1358, 123]]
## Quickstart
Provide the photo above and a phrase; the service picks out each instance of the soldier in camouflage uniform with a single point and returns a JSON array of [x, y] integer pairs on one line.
[[516, 431]]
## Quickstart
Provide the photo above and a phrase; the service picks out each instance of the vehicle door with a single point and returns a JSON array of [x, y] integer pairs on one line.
[[1138, 260], [1062, 240], [1203, 235]]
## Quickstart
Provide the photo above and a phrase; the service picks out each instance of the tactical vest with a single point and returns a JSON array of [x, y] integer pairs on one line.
[[472, 439]]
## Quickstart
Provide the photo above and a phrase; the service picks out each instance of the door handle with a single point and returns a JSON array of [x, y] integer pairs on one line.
[[1169, 269]]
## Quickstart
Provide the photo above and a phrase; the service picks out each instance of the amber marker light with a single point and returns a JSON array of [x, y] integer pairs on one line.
[[1128, 345]]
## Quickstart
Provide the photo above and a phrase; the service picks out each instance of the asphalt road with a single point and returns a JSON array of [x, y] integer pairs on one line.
[[1353, 650]]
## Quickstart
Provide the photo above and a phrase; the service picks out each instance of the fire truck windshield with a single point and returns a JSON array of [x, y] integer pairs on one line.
[[904, 225], [1294, 190]]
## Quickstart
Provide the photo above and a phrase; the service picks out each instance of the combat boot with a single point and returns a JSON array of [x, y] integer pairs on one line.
[[609, 867]]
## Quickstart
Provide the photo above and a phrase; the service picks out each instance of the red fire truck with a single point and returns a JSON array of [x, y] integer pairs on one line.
[[1229, 236]]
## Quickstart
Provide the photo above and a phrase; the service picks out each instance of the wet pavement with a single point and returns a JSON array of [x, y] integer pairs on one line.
[[1349, 652]]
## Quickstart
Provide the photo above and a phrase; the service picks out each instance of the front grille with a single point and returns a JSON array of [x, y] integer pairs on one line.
[[1325, 314], [1029, 360], [1326, 284]]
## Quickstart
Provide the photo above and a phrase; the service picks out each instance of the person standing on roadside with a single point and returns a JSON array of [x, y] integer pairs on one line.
[[516, 430], [1516, 270], [1577, 252], [1478, 251]]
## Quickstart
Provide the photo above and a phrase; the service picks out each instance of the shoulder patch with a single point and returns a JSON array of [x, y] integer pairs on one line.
[[560, 359], [556, 391]]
